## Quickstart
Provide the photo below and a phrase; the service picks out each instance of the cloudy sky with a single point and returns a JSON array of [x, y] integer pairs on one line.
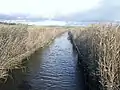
[[47, 8], [74, 10], [108, 10]]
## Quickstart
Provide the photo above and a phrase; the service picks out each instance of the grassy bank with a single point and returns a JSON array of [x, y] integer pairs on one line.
[[17, 42], [100, 49]]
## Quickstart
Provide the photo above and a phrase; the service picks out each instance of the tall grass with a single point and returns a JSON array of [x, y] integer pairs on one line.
[[100, 48], [17, 42]]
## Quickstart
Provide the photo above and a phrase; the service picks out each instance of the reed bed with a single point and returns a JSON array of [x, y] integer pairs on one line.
[[17, 42], [100, 48]]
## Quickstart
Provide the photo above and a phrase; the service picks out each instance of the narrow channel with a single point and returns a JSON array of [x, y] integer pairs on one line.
[[53, 68]]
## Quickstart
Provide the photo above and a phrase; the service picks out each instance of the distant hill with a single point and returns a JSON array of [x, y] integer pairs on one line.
[[20, 17]]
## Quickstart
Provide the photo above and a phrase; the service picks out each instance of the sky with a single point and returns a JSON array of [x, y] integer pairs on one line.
[[47, 8], [64, 10], [106, 10]]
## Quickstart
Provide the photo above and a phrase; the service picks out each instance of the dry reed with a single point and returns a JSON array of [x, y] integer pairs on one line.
[[100, 48], [17, 42]]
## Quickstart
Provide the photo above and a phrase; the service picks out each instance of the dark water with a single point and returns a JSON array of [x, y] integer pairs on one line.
[[53, 68]]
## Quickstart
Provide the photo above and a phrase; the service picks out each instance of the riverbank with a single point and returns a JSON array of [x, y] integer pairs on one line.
[[18, 42], [99, 46]]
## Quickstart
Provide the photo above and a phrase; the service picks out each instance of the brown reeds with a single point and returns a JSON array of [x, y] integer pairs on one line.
[[17, 42], [100, 48]]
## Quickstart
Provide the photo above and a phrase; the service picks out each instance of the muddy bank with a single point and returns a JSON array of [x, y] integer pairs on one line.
[[90, 82]]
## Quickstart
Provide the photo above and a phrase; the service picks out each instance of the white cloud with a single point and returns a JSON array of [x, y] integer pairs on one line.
[[47, 8]]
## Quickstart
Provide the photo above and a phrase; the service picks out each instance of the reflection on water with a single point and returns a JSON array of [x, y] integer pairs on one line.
[[53, 68]]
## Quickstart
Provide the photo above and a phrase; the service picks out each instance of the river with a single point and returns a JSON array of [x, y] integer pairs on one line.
[[52, 68]]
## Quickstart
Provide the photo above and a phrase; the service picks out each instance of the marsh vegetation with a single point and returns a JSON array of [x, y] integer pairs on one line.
[[99, 45], [18, 42]]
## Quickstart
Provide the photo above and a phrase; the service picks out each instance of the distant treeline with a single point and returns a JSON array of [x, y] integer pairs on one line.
[[6, 23]]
